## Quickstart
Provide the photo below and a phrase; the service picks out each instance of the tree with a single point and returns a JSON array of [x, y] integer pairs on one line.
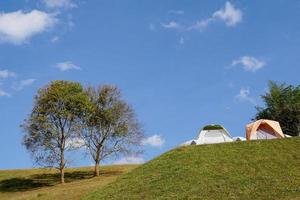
[[282, 103], [54, 121], [111, 128]]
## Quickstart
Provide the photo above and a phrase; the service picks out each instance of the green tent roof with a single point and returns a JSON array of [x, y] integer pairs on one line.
[[212, 127]]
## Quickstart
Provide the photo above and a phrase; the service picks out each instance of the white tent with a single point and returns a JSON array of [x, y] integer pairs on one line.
[[287, 136], [239, 138], [261, 134], [211, 134], [190, 142]]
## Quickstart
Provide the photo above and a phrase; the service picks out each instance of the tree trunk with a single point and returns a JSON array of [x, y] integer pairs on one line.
[[62, 175], [97, 161], [97, 171], [62, 167]]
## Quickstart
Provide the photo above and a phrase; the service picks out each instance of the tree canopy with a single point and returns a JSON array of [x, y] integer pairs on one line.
[[111, 127], [54, 120], [282, 104], [64, 113]]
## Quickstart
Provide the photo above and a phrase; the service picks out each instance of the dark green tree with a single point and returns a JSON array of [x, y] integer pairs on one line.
[[111, 128], [54, 122], [282, 103]]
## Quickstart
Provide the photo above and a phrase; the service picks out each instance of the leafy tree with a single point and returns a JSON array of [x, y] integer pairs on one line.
[[282, 103], [53, 122], [111, 128]]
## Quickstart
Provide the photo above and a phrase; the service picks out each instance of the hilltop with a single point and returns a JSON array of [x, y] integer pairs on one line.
[[241, 170]]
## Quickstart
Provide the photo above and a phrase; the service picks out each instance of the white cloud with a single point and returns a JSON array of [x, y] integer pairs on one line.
[[171, 25], [17, 27], [130, 160], [65, 66], [227, 108], [23, 83], [229, 14], [4, 94], [75, 143], [176, 12], [154, 140], [54, 39], [181, 40], [6, 74], [249, 63], [201, 24], [244, 95], [59, 3]]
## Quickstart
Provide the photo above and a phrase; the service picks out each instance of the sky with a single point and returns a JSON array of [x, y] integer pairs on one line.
[[180, 64]]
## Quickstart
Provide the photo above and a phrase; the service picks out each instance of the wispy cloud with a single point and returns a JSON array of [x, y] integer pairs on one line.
[[244, 95], [59, 3], [171, 25], [6, 74], [181, 41], [229, 14], [154, 140], [66, 66], [249, 63], [54, 39], [227, 108], [130, 160], [23, 83], [176, 12], [4, 94], [201, 24], [19, 26]]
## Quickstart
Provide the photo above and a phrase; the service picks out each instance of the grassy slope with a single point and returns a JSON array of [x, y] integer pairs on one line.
[[242, 170], [44, 183]]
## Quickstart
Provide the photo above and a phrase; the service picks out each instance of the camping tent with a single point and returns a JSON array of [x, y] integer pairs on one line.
[[263, 129], [190, 142], [213, 134], [287, 136], [239, 138]]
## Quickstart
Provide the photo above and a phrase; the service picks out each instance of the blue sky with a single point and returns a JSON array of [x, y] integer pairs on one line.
[[180, 64]]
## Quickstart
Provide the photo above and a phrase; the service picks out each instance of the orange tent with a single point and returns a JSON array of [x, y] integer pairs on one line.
[[263, 129]]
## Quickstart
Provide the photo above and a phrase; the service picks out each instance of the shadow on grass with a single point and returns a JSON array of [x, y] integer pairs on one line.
[[48, 179], [19, 185]]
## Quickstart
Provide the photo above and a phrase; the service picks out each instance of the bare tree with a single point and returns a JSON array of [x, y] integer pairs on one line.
[[111, 127]]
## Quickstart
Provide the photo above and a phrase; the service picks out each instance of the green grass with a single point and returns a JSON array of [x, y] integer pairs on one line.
[[241, 170], [44, 184]]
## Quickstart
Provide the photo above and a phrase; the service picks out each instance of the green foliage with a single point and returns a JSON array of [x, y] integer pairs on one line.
[[282, 104], [111, 126], [213, 127], [240, 170], [54, 120], [64, 112]]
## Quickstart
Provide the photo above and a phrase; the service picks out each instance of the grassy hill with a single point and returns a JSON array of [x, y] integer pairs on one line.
[[242, 170], [43, 184]]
